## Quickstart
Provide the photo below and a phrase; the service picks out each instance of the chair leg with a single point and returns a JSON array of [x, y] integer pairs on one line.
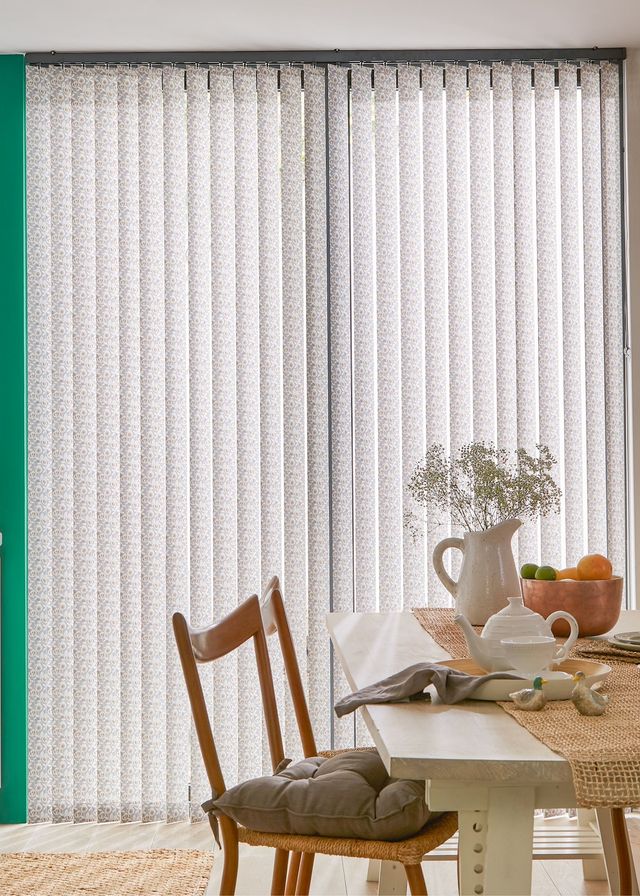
[[279, 877], [623, 853], [229, 869], [292, 874], [415, 877], [304, 874]]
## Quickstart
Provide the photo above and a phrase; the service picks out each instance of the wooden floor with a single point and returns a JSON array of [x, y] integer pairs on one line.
[[332, 876]]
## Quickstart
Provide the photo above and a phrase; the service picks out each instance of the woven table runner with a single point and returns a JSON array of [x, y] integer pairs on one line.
[[603, 751]]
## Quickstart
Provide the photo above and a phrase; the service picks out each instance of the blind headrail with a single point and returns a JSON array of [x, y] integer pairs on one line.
[[324, 57]]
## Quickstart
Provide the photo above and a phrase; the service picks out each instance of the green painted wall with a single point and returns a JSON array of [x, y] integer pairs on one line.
[[13, 441]]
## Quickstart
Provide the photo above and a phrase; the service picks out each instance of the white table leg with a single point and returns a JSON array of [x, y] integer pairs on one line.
[[393, 879], [592, 869], [373, 870], [496, 844], [472, 850], [509, 841]]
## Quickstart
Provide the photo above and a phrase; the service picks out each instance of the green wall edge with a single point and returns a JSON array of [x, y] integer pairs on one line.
[[13, 441]]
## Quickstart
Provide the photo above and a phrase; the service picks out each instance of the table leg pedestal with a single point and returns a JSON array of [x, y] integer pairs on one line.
[[509, 841], [495, 839]]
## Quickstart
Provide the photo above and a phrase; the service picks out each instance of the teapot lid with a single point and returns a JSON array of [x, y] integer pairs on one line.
[[515, 620]]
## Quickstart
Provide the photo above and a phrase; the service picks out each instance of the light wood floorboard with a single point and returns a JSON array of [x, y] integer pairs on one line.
[[332, 876]]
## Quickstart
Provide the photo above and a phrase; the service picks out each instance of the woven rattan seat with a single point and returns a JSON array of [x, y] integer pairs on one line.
[[406, 852]]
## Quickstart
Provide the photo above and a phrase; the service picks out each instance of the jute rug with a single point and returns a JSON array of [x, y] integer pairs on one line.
[[603, 751], [153, 872]]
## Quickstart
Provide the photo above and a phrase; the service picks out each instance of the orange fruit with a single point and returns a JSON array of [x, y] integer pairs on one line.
[[570, 572], [594, 567]]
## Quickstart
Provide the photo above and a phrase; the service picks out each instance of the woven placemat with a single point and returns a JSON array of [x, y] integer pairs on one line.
[[604, 652], [603, 751], [151, 872]]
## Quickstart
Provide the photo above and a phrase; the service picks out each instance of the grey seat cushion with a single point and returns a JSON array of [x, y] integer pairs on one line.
[[348, 795]]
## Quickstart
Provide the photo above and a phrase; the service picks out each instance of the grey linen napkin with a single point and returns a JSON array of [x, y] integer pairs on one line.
[[451, 685]]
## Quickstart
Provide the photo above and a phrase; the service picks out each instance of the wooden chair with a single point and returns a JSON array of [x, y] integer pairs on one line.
[[409, 852], [205, 645], [197, 646]]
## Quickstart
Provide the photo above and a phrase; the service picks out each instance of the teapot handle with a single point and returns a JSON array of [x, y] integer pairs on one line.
[[438, 565], [563, 652]]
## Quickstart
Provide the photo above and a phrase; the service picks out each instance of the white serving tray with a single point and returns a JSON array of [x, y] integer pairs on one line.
[[556, 689]]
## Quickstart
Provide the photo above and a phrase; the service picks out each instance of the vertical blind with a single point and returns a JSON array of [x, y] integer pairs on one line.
[[255, 297]]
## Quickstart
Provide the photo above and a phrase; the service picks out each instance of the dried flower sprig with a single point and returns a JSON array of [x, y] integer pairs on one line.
[[482, 486]]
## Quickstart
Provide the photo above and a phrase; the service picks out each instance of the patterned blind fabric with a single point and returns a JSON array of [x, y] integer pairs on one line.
[[255, 297]]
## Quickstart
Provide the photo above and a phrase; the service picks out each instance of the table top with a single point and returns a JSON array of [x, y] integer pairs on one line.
[[474, 740]]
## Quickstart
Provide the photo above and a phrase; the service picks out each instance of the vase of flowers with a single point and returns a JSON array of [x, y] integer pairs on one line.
[[486, 491]]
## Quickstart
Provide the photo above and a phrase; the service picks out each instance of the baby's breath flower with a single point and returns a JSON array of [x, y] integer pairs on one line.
[[481, 486]]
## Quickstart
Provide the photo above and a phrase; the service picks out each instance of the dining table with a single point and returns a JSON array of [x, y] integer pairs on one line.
[[475, 759]]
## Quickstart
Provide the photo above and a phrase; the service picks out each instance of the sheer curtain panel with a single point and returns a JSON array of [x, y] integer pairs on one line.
[[256, 294]]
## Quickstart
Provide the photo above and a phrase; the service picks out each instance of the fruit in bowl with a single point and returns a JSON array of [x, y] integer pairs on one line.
[[588, 591], [571, 572], [594, 568]]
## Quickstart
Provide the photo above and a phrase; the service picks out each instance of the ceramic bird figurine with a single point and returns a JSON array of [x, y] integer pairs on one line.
[[585, 700], [530, 699]]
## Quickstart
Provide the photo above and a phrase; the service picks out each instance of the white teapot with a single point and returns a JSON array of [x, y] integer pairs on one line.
[[514, 621]]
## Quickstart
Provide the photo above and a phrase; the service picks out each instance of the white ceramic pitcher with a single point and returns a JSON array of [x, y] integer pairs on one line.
[[488, 577]]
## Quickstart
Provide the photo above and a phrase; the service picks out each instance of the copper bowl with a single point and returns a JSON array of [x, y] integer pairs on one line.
[[595, 605]]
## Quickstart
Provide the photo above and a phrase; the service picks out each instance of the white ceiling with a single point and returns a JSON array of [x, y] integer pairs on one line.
[[68, 25]]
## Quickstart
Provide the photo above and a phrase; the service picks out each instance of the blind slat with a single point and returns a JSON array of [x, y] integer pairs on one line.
[[248, 400], [548, 297], [319, 654], [596, 467], [572, 453], [176, 235], [387, 314], [482, 265], [505, 273], [526, 370], [363, 342], [224, 408], [613, 313], [294, 378], [153, 499], [339, 248], [412, 314], [436, 356]]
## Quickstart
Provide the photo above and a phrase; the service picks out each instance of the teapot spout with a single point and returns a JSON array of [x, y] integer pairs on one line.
[[474, 643]]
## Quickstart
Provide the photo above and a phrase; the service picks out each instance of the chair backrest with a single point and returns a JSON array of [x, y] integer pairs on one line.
[[204, 645], [274, 617]]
